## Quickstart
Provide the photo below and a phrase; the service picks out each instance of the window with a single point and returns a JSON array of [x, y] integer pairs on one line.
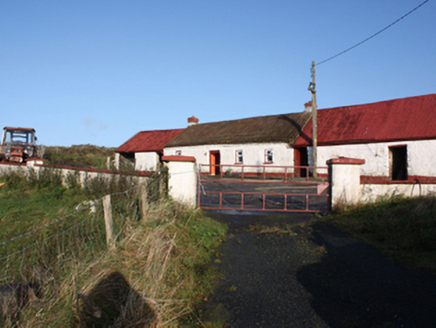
[[239, 157], [398, 163], [178, 153], [269, 156]]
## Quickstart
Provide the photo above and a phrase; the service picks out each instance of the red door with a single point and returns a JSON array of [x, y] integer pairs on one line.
[[300, 159], [215, 161]]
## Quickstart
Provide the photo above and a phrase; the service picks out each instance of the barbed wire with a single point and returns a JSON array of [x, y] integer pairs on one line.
[[51, 254], [45, 225], [78, 209], [43, 240]]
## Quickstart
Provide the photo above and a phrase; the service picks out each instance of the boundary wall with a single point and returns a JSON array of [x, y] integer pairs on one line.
[[348, 187], [182, 179], [82, 174]]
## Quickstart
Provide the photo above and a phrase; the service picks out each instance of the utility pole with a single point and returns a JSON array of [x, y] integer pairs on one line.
[[312, 89]]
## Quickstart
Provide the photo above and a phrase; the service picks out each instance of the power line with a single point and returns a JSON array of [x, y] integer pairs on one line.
[[369, 38]]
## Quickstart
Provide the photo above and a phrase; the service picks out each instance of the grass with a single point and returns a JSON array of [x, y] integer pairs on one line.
[[163, 262], [404, 228], [30, 202], [78, 155], [159, 269], [27, 204]]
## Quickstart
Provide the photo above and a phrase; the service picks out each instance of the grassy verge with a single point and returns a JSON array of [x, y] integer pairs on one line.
[[404, 228], [154, 276], [162, 266]]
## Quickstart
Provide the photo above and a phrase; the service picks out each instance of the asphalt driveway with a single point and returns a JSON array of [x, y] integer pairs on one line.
[[295, 271]]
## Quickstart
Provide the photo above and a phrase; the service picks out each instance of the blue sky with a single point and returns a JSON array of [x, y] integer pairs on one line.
[[97, 72]]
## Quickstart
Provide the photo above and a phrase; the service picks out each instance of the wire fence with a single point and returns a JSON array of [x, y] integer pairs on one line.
[[38, 262]]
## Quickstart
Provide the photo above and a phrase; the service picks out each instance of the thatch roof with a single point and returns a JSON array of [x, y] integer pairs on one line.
[[273, 128]]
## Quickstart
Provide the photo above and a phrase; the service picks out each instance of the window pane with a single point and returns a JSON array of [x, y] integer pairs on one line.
[[239, 156], [269, 156]]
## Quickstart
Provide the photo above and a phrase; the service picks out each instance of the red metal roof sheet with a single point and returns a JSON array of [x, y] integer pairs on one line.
[[148, 141], [412, 118]]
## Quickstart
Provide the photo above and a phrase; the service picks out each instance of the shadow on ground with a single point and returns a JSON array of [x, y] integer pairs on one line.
[[354, 285], [112, 302], [295, 271]]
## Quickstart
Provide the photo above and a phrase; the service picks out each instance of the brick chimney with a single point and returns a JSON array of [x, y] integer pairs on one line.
[[192, 120], [308, 107]]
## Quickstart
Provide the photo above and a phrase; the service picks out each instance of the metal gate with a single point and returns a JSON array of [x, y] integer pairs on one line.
[[263, 188]]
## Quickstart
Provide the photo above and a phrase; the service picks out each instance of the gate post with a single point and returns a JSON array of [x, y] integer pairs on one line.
[[182, 179], [344, 177]]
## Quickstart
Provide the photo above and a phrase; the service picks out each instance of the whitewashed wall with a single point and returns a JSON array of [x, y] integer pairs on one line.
[[182, 181], [82, 174], [254, 154], [148, 161], [372, 192], [421, 156], [345, 181]]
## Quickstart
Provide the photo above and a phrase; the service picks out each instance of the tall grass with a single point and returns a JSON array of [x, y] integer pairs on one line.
[[154, 276], [405, 228]]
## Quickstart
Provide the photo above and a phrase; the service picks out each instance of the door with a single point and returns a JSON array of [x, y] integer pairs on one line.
[[398, 161], [300, 159], [215, 161]]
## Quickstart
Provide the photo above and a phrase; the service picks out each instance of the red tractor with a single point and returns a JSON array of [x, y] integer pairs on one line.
[[18, 144]]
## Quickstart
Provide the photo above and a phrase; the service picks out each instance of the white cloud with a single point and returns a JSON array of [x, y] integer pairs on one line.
[[94, 123]]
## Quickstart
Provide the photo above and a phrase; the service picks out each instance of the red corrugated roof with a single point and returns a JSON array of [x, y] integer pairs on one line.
[[147, 141], [412, 118]]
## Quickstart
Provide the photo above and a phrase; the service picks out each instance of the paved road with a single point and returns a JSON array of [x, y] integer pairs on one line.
[[313, 275]]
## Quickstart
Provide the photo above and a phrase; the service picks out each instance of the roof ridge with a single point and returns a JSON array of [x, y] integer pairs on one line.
[[162, 130], [251, 118], [378, 102]]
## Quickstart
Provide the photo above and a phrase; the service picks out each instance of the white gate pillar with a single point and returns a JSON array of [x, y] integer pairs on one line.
[[182, 179], [344, 176]]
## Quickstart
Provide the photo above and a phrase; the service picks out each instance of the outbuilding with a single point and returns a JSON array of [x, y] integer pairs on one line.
[[144, 150], [396, 138]]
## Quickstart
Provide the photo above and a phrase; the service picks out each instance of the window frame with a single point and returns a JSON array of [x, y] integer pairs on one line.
[[266, 156], [239, 156]]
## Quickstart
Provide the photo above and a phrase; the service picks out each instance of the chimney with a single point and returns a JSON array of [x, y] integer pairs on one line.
[[192, 120], [308, 107]]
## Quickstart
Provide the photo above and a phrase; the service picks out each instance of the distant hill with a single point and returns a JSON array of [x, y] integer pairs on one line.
[[88, 156]]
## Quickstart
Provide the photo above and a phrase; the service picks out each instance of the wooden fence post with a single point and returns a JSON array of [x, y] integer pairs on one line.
[[108, 221], [144, 201], [161, 184]]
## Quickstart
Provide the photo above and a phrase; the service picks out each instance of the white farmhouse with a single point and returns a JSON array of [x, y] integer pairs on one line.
[[396, 138], [145, 149], [265, 140]]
